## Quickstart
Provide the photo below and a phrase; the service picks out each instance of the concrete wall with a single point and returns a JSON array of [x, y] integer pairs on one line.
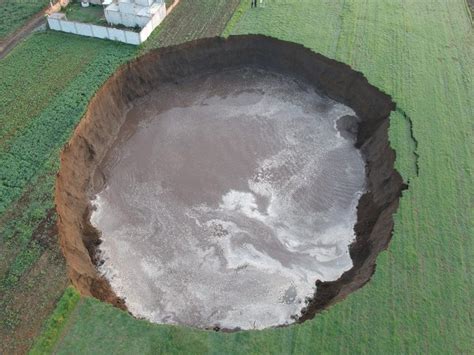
[[144, 2], [153, 23], [126, 36], [58, 22], [129, 13]]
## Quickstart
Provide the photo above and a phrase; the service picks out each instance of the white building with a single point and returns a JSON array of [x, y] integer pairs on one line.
[[145, 14], [135, 13]]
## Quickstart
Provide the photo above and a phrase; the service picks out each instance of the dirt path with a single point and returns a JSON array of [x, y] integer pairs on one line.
[[11, 41]]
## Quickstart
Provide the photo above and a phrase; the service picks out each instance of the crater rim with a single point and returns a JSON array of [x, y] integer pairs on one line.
[[104, 116]]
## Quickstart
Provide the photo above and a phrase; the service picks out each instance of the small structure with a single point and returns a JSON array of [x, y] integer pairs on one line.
[[136, 20], [134, 13]]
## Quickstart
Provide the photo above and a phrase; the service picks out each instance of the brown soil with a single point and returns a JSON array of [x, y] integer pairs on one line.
[[105, 115]]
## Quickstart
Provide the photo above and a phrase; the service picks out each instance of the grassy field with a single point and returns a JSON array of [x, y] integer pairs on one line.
[[15, 13], [421, 297], [56, 322]]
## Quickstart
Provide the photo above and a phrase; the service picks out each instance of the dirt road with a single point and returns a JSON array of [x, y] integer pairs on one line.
[[11, 41]]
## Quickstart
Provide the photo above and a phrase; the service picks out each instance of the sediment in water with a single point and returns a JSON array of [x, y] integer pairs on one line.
[[105, 115]]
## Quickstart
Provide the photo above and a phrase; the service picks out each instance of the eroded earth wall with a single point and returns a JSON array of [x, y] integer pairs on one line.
[[106, 112]]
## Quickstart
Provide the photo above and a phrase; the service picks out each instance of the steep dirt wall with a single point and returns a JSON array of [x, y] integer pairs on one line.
[[105, 115]]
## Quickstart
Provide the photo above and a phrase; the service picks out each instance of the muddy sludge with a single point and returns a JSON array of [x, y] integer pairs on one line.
[[225, 196], [227, 173]]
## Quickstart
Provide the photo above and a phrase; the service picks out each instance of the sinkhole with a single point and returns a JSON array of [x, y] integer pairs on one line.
[[238, 183]]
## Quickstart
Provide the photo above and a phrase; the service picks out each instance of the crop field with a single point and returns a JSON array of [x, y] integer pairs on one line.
[[14, 13], [41, 100], [191, 20], [420, 300]]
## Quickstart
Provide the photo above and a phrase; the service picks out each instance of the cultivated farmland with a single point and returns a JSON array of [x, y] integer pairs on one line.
[[420, 298], [14, 13], [192, 20], [36, 119]]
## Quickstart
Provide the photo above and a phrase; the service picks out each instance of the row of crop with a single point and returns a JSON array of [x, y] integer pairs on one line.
[[28, 86], [56, 322], [33, 144], [191, 20], [30, 161], [49, 80]]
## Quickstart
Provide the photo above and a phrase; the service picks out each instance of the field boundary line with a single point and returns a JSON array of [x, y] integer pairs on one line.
[[171, 8], [239, 11], [59, 321], [11, 41]]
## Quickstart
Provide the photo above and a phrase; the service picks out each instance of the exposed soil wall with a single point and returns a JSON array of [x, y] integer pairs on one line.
[[105, 115]]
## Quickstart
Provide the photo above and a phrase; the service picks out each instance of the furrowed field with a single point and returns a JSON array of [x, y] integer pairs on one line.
[[192, 20], [420, 299]]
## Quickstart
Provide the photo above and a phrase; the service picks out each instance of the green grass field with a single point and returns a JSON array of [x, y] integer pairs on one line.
[[15, 13], [420, 299]]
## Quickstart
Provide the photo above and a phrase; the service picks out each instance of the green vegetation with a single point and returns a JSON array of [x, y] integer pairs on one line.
[[48, 101], [14, 14], [191, 20], [420, 298], [46, 84], [55, 324], [93, 14], [235, 19]]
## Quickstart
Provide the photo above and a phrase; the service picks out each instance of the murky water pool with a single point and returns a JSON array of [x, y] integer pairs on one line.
[[226, 197]]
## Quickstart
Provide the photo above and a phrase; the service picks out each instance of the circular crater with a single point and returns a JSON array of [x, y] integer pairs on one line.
[[225, 196], [237, 183]]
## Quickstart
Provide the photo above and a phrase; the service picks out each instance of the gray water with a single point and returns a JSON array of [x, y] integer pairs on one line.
[[226, 198]]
